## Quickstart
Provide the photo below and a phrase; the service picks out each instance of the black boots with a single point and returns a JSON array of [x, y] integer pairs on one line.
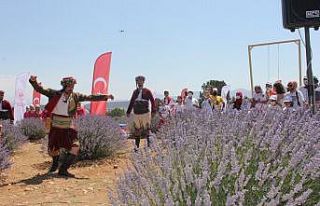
[[65, 160], [55, 164], [66, 163]]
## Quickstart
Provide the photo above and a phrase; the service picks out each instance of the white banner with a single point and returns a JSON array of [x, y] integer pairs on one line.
[[20, 96]]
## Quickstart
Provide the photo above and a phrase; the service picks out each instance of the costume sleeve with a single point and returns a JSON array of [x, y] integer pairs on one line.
[[47, 92], [92, 97], [131, 103], [10, 111]]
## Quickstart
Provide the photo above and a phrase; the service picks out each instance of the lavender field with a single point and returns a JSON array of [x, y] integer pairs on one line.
[[268, 157], [10, 140]]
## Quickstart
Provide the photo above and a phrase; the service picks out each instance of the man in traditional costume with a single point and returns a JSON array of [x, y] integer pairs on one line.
[[6, 111], [141, 114], [63, 143]]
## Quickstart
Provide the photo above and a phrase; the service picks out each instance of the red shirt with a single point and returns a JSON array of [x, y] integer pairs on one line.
[[7, 106], [167, 100], [80, 111], [32, 114]]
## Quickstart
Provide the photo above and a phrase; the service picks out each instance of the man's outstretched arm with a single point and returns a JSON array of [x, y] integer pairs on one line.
[[34, 83]]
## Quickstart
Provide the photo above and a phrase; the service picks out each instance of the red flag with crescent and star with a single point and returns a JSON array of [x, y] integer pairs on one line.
[[36, 96], [100, 83]]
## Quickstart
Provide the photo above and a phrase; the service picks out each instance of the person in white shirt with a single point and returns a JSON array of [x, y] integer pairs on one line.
[[191, 102], [296, 95], [304, 88], [258, 98], [178, 107]]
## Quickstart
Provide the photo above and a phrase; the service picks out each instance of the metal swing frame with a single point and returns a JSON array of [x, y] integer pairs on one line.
[[250, 47]]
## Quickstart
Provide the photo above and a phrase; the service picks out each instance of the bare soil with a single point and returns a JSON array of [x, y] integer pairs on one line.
[[27, 181]]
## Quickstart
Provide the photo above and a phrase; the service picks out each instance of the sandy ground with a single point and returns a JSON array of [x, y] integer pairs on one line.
[[26, 182]]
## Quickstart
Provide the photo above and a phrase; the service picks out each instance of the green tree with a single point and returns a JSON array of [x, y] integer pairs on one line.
[[117, 112], [214, 84]]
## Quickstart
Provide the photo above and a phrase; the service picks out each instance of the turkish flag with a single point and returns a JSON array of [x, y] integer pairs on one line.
[[36, 96], [100, 82]]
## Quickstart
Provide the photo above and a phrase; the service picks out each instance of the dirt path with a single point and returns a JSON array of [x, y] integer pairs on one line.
[[27, 183]]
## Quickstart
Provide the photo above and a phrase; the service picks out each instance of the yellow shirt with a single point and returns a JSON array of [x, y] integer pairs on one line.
[[216, 101]]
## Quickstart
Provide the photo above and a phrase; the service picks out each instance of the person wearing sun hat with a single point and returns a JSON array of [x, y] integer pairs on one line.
[[273, 102], [288, 103], [63, 143]]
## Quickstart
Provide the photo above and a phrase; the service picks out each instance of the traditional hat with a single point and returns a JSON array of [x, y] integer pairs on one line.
[[140, 77], [67, 81]]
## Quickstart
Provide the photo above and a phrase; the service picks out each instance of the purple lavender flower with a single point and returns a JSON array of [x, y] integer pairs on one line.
[[4, 157], [256, 157], [12, 137], [33, 128], [99, 136]]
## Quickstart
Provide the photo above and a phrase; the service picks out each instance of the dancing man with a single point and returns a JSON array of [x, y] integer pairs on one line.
[[62, 107], [141, 114]]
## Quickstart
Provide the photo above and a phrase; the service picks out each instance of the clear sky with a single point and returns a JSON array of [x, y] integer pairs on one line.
[[174, 43]]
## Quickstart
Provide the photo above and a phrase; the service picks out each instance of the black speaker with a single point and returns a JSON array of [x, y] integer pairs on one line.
[[300, 13]]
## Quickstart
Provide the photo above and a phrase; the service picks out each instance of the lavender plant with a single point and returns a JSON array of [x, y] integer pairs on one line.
[[99, 137], [155, 121], [33, 128], [4, 157], [12, 136], [261, 157]]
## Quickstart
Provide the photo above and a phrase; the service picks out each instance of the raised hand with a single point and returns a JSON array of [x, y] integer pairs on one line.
[[33, 78], [110, 96]]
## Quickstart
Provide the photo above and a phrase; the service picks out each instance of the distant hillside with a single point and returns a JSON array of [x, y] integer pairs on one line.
[[118, 104], [113, 104]]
